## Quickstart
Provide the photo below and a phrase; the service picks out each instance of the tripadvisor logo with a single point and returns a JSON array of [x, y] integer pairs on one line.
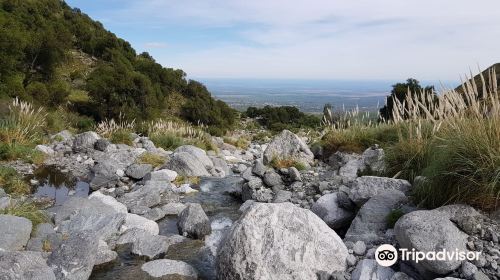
[[387, 255]]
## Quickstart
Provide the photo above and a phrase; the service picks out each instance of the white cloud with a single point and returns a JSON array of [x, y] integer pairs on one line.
[[427, 39]]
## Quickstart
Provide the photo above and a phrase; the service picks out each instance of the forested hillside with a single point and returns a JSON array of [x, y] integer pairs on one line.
[[54, 55]]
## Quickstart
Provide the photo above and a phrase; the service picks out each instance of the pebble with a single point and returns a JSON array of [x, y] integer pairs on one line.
[[359, 248]]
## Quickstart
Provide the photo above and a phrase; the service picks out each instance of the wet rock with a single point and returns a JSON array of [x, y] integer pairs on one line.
[[164, 268], [287, 145], [370, 223], [148, 195], [328, 209], [431, 231], [363, 188], [14, 232], [24, 266], [193, 222], [138, 170], [369, 269], [265, 241], [75, 257]]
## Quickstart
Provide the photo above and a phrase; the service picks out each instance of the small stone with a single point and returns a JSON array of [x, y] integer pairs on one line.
[[468, 270], [351, 260], [359, 248]]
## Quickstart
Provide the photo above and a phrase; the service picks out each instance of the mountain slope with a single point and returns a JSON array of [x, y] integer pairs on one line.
[[52, 54]]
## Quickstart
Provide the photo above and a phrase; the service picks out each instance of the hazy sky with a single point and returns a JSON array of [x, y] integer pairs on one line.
[[323, 39]]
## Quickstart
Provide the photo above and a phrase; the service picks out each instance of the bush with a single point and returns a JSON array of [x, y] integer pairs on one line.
[[167, 141], [284, 117], [121, 137]]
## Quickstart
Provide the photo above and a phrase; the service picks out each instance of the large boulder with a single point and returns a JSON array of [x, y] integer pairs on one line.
[[148, 245], [74, 259], [109, 201], [165, 268], [199, 154], [14, 232], [193, 222], [104, 174], [279, 241], [85, 141], [24, 266], [370, 223], [373, 158], [79, 214], [328, 209], [432, 230], [363, 188], [287, 145], [136, 221], [138, 170], [186, 164]]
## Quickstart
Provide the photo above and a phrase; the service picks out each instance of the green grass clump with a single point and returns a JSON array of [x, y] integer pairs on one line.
[[393, 217], [167, 141], [121, 136], [186, 180], [150, 158], [12, 182], [278, 163], [239, 142], [464, 165], [25, 153], [29, 211]]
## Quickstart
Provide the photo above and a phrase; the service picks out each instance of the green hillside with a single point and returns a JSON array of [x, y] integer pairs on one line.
[[54, 55]]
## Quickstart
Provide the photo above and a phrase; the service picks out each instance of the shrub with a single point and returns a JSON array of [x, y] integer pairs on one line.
[[167, 141], [150, 158], [172, 134], [12, 182], [121, 137]]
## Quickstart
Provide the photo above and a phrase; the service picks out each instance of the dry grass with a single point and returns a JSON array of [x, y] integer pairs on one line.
[[24, 124], [150, 158], [278, 163], [172, 134], [107, 128], [240, 142], [12, 182]]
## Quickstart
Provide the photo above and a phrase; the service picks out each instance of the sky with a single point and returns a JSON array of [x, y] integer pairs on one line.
[[309, 39]]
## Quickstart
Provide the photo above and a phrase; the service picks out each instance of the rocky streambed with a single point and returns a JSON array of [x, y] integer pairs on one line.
[[113, 216]]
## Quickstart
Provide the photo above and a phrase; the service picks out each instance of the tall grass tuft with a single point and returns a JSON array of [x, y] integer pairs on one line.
[[23, 125], [172, 134]]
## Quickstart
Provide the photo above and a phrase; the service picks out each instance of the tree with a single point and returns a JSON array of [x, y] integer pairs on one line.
[[400, 91]]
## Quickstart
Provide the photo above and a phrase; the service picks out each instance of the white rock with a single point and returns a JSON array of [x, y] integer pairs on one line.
[[164, 267], [136, 221], [109, 200]]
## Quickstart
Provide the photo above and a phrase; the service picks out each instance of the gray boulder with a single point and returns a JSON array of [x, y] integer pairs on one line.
[[45, 149], [255, 190], [282, 196], [165, 268], [329, 210], [279, 241], [14, 232], [102, 144], [294, 174], [85, 141], [104, 254], [24, 266], [271, 178], [431, 231], [370, 223], [373, 158], [369, 269], [173, 208], [363, 188], [75, 257], [104, 174], [193, 222], [148, 245], [186, 164], [259, 169], [148, 195], [221, 166], [138, 170], [287, 145], [199, 154], [164, 175], [80, 214]]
